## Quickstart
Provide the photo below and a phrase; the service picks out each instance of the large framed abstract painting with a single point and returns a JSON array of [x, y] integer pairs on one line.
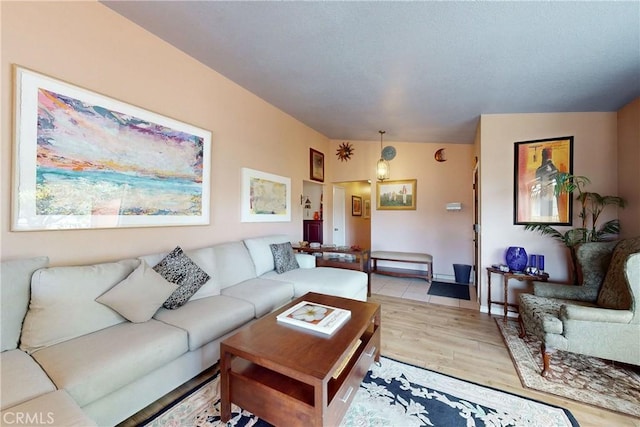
[[84, 160], [265, 197], [537, 163]]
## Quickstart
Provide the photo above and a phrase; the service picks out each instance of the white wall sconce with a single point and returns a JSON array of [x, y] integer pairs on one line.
[[454, 206]]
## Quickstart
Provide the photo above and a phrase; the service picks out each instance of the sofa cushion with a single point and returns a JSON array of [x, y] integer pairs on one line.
[[22, 378], [206, 260], [178, 268], [266, 295], [60, 296], [283, 257], [94, 365], [15, 283], [140, 295], [55, 409], [234, 264], [209, 318], [261, 252], [325, 280]]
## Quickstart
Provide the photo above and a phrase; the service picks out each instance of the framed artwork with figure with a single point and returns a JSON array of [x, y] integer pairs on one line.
[[316, 165], [356, 206], [537, 163], [396, 195]]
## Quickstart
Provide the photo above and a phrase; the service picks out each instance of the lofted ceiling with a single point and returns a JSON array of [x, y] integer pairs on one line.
[[422, 71]]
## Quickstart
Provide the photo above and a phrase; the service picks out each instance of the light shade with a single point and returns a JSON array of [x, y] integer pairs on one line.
[[382, 170]]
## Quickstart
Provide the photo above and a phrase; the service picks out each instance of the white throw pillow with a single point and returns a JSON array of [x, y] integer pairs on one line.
[[140, 295]]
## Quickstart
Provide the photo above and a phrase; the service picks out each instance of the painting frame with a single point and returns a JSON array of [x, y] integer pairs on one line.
[[263, 191], [356, 206], [535, 164], [366, 210], [74, 166], [316, 165], [387, 194]]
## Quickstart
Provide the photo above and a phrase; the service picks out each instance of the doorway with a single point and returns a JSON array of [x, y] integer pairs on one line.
[[339, 236]]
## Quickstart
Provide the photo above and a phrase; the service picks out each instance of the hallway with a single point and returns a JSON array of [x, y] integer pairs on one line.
[[416, 289]]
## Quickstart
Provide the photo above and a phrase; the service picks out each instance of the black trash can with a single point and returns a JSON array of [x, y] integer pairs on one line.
[[462, 272]]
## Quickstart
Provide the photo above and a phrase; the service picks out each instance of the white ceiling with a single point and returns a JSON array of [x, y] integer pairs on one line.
[[422, 71]]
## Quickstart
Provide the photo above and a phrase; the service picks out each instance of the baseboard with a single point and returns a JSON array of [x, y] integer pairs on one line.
[[448, 278]]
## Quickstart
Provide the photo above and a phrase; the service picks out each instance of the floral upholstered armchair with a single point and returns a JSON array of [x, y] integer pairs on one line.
[[601, 318]]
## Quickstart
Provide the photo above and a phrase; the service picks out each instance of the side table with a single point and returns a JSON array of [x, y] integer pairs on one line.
[[506, 275]]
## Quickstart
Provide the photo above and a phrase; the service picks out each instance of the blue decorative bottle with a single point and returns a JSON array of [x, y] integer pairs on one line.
[[516, 258]]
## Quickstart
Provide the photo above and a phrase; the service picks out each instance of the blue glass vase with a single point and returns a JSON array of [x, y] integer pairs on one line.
[[516, 258]]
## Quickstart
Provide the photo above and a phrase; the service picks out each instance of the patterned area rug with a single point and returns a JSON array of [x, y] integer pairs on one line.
[[582, 378], [393, 394]]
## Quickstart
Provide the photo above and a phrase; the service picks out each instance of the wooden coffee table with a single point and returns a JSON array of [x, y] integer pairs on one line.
[[284, 375]]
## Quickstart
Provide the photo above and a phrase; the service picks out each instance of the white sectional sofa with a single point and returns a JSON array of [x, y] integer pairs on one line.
[[68, 359]]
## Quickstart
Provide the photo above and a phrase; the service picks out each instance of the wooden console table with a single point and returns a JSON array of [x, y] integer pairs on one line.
[[506, 276], [337, 258]]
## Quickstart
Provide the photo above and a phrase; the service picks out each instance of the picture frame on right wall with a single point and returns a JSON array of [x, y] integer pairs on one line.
[[536, 164]]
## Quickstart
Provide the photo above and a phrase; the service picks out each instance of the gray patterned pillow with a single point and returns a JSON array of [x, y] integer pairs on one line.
[[283, 257], [178, 268]]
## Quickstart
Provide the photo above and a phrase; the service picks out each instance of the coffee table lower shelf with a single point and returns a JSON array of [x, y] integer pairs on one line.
[[281, 399]]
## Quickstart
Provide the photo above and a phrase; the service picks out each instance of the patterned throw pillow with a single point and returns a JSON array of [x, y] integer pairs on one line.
[[283, 257], [178, 268]]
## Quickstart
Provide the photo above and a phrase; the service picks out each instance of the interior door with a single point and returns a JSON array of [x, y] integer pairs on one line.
[[339, 236], [476, 231]]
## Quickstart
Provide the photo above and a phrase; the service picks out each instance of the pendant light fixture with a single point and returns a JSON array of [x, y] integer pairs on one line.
[[382, 168]]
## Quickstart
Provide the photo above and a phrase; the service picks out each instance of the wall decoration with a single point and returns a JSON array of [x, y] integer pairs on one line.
[[396, 195], [265, 197], [366, 210], [316, 165], [536, 164], [84, 160], [389, 153], [344, 152], [440, 155], [356, 206]]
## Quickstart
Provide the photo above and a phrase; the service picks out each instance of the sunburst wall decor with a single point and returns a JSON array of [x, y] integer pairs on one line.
[[344, 152]]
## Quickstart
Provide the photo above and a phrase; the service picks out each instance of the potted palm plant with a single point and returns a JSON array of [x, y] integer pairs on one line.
[[591, 207]]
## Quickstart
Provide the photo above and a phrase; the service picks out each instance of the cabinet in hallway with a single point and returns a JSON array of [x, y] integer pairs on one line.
[[312, 230]]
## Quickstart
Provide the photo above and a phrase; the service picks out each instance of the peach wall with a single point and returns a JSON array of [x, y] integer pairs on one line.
[[430, 228], [628, 170], [89, 45], [595, 156]]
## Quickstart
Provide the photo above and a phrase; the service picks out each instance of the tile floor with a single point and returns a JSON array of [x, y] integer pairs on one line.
[[416, 289]]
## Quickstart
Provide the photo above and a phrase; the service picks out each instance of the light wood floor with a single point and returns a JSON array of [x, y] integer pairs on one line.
[[457, 341]]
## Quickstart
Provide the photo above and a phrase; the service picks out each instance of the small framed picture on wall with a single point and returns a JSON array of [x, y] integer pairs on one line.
[[356, 206], [316, 165]]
